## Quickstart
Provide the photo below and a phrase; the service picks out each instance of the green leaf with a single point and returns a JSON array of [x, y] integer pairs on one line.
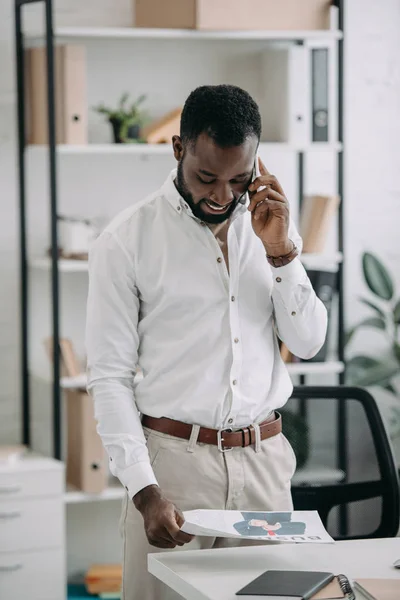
[[396, 313], [374, 307], [377, 277], [389, 387], [396, 350], [373, 322], [349, 334], [376, 322], [358, 365], [379, 374], [123, 100]]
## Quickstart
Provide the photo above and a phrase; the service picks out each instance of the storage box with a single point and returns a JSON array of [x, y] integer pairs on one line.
[[233, 14]]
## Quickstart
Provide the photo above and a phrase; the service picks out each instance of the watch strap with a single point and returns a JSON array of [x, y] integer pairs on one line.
[[281, 261]]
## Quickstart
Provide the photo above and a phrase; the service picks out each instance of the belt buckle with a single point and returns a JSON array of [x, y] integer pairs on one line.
[[220, 440]]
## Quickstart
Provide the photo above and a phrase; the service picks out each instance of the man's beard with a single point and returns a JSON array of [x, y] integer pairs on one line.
[[196, 207]]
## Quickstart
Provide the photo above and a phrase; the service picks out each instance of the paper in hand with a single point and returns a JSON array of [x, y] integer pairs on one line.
[[294, 527]]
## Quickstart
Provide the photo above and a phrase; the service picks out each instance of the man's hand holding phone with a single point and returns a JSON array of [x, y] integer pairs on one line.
[[162, 519], [270, 213]]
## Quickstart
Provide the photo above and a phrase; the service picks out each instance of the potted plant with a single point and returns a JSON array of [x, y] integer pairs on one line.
[[126, 120], [382, 369]]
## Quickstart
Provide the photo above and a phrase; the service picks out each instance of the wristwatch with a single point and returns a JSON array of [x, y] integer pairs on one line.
[[281, 261]]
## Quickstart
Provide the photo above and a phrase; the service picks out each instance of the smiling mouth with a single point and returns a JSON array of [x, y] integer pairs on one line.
[[216, 207]]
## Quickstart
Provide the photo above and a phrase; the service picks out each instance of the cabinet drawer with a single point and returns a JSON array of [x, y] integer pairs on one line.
[[33, 576], [14, 485], [31, 525]]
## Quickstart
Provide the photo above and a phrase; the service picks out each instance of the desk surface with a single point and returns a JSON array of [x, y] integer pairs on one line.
[[219, 574]]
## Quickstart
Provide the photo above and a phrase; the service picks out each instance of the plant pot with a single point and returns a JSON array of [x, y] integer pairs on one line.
[[133, 132]]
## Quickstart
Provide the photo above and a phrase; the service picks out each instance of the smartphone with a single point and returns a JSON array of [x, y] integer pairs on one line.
[[255, 173]]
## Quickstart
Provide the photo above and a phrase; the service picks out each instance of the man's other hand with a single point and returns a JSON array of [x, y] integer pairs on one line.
[[162, 519]]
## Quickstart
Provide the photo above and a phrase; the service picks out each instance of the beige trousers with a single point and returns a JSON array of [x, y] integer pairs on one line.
[[199, 476]]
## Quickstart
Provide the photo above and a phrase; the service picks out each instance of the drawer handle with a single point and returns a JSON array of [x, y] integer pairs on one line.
[[10, 568], [12, 489], [10, 515]]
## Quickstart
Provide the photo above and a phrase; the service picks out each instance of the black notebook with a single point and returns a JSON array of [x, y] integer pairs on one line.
[[297, 584]]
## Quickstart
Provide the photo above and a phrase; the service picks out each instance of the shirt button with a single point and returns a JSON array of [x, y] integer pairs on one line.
[[233, 298], [178, 208], [293, 313], [234, 381], [278, 279], [230, 421], [236, 340], [219, 259]]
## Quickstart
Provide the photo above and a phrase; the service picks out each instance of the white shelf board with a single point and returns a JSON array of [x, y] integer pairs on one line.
[[140, 33], [308, 475], [315, 368], [80, 381], [64, 265], [113, 492], [322, 262], [317, 474], [166, 149]]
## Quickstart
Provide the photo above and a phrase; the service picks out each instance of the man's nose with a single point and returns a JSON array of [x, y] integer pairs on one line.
[[223, 194]]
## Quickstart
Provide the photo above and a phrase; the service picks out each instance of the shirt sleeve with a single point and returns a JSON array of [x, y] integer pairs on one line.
[[300, 316], [112, 355]]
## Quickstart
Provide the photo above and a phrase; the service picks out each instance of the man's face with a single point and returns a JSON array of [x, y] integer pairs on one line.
[[265, 525], [212, 179]]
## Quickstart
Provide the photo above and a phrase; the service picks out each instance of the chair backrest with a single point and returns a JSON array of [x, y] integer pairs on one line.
[[369, 488]]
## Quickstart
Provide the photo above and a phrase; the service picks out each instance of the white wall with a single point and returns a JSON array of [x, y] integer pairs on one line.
[[372, 174]]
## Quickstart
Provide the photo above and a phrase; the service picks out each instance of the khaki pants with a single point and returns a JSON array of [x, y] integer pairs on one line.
[[199, 476]]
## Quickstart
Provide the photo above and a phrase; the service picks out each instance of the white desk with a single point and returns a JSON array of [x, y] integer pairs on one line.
[[219, 574]]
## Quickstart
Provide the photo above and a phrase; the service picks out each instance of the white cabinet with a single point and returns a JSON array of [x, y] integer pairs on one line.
[[32, 530]]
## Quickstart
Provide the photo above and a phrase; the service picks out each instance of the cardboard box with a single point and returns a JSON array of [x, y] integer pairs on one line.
[[233, 14]]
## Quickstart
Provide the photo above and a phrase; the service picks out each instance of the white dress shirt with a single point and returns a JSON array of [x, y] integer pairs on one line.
[[161, 298]]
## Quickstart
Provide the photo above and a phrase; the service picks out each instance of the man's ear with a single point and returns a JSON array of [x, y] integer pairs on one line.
[[178, 147]]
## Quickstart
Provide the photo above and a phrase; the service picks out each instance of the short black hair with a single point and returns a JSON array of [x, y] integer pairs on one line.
[[227, 113]]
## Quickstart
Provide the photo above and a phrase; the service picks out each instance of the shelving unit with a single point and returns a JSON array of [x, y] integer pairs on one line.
[[309, 475], [56, 266], [114, 33], [310, 261], [165, 149]]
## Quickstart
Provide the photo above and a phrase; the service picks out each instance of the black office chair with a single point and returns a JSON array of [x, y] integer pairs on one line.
[[310, 424]]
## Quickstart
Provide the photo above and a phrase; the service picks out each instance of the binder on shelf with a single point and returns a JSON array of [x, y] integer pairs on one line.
[[325, 286], [284, 103], [70, 95], [320, 94], [316, 218], [86, 463]]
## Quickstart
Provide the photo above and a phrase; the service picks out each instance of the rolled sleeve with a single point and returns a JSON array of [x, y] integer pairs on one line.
[[300, 316]]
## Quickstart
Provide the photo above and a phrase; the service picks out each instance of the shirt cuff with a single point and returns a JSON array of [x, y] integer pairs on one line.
[[137, 477], [292, 274]]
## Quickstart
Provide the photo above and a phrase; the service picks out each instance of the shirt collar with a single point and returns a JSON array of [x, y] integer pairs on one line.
[[181, 207]]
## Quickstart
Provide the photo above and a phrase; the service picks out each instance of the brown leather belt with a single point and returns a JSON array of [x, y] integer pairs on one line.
[[224, 439]]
